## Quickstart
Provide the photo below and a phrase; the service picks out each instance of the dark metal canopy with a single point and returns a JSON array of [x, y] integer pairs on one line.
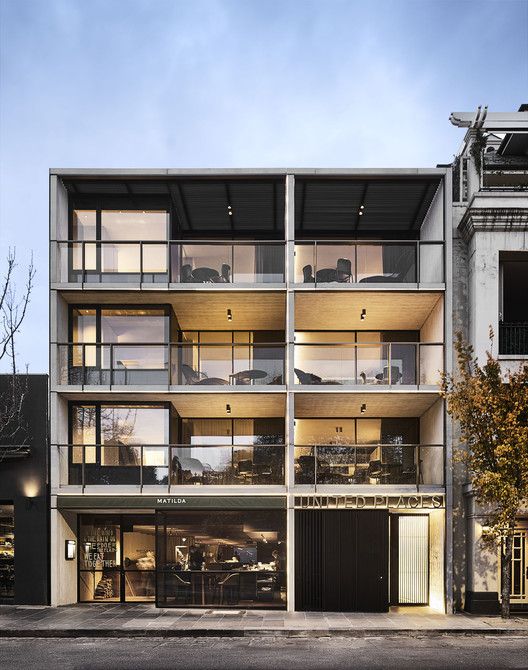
[[392, 207], [200, 206]]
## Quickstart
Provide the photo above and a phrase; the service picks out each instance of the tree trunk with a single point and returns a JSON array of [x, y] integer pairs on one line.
[[506, 572]]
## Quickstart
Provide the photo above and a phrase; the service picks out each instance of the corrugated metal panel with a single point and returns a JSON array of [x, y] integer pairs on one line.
[[341, 560], [413, 560]]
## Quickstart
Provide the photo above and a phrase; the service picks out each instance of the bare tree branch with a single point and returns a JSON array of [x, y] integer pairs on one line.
[[13, 311]]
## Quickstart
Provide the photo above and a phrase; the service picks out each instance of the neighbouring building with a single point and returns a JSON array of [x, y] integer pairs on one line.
[[245, 408], [24, 500], [490, 288]]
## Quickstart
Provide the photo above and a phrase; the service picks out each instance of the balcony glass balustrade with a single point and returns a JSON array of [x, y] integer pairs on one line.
[[390, 363], [172, 465], [175, 262], [369, 464], [171, 364], [376, 262]]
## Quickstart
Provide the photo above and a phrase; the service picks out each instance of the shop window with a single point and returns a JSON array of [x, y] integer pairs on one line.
[[7, 551], [99, 559], [222, 559], [117, 560]]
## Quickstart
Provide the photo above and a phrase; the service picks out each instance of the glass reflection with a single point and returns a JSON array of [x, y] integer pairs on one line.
[[117, 441], [222, 558]]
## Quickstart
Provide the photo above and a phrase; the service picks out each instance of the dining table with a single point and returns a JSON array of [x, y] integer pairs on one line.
[[205, 275], [326, 275], [247, 376]]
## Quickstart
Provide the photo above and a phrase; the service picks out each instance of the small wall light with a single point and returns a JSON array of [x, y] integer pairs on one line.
[[363, 314], [363, 408], [229, 315], [69, 550], [228, 409]]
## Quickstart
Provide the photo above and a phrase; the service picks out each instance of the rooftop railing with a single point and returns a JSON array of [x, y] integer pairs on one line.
[[370, 464], [171, 465], [369, 262], [95, 364], [389, 363], [169, 262]]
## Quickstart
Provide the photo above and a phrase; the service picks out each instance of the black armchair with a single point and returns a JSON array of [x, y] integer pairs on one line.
[[308, 277]]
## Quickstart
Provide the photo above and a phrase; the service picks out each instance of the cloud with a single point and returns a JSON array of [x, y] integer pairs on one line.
[[227, 83]]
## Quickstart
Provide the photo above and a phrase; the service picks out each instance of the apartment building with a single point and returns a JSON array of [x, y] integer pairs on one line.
[[244, 388], [490, 282]]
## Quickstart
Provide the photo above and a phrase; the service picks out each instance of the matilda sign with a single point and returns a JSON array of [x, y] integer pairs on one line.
[[418, 501]]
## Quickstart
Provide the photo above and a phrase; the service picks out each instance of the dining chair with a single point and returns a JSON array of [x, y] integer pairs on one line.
[[344, 270], [186, 273]]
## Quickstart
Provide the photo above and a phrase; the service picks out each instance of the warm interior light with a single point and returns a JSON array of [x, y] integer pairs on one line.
[[31, 488], [363, 314]]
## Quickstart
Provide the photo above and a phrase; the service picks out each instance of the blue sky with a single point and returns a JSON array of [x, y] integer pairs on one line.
[[236, 83]]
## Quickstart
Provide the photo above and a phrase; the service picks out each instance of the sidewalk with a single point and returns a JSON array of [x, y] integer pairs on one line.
[[138, 620]]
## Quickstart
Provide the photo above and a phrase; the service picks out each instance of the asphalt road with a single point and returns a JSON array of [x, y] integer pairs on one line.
[[411, 653]]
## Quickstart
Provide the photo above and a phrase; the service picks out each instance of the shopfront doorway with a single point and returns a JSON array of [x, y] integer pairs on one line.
[[519, 569], [342, 560], [117, 558]]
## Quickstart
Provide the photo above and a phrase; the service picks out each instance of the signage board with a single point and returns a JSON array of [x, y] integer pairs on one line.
[[164, 502], [399, 502]]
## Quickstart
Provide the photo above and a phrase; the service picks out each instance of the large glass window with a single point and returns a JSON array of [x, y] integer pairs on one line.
[[124, 437], [230, 452], [230, 357], [117, 558], [359, 451], [222, 558], [119, 245], [233, 431], [362, 357], [134, 225], [99, 559], [7, 551], [119, 346]]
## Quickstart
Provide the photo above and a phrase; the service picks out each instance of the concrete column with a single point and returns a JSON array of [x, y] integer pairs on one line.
[[290, 398], [63, 573], [448, 360]]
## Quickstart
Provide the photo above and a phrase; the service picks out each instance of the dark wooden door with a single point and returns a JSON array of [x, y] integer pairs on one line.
[[341, 560]]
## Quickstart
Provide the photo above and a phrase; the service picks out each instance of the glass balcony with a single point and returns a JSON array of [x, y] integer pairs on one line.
[[171, 364], [388, 262], [172, 465], [370, 464], [387, 364], [164, 262]]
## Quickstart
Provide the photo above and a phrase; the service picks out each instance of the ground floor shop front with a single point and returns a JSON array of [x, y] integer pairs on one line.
[[308, 553], [484, 563]]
